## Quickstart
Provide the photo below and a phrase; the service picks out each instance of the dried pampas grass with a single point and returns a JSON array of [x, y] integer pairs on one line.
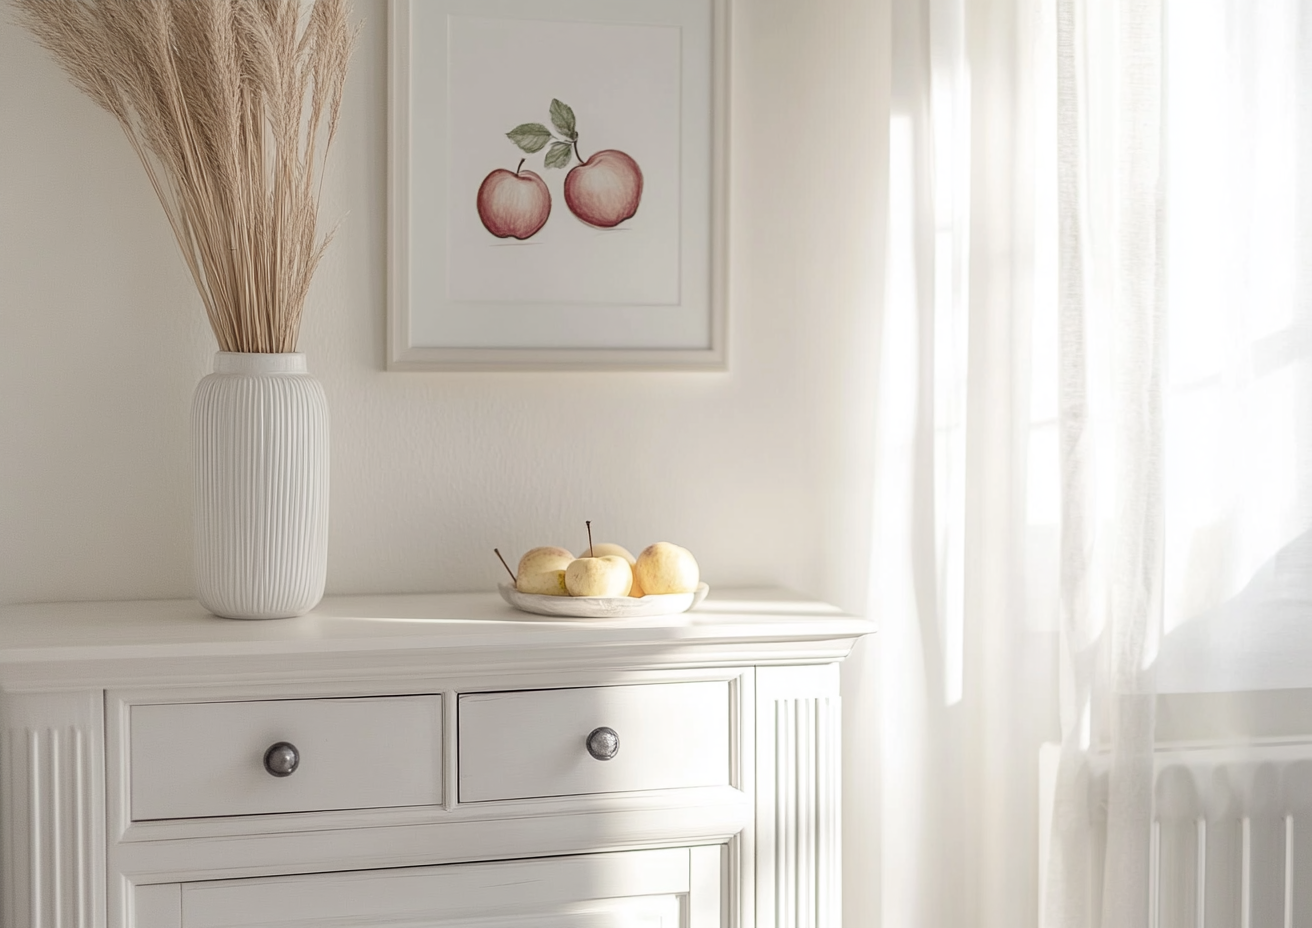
[[232, 106]]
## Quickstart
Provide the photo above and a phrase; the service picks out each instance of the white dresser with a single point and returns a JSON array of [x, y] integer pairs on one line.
[[426, 761]]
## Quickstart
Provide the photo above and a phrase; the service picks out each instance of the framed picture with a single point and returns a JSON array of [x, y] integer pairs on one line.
[[557, 184]]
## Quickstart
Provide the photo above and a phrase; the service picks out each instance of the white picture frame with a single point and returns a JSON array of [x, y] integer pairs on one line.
[[627, 271]]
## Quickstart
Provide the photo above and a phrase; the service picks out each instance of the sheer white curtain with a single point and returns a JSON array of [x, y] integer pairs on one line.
[[1095, 433]]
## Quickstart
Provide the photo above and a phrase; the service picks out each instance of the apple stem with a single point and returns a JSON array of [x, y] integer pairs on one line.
[[576, 152], [517, 170], [591, 553], [513, 578]]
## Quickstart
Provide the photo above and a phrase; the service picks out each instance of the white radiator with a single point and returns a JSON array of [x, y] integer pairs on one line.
[[1231, 837], [1232, 840]]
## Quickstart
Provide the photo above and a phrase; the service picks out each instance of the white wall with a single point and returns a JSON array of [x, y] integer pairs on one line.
[[761, 472]]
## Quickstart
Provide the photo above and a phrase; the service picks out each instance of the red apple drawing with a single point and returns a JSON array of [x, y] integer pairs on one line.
[[604, 190], [513, 204]]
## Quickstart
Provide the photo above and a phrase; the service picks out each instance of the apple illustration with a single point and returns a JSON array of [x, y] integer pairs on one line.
[[513, 204], [604, 190]]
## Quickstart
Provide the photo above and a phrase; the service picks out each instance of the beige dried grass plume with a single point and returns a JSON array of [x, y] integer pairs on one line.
[[232, 106]]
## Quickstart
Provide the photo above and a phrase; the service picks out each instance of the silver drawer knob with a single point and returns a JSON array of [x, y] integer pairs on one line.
[[603, 743], [282, 759]]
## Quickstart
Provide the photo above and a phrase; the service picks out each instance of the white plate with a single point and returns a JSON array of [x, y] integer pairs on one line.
[[603, 607]]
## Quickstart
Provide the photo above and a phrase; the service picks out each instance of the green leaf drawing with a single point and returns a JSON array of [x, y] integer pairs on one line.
[[562, 117], [530, 137], [558, 155]]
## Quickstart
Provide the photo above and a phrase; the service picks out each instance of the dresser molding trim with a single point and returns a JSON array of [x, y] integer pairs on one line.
[[52, 810], [52, 646]]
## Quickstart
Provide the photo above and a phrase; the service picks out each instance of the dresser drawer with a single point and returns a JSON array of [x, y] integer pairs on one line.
[[658, 888], [533, 744], [206, 759]]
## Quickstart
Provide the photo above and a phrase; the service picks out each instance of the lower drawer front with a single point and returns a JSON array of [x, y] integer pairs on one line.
[[638, 888], [207, 759], [533, 744]]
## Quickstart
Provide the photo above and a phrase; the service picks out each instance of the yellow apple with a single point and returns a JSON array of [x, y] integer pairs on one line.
[[542, 571], [608, 575], [636, 590], [536, 559], [602, 548], [666, 568]]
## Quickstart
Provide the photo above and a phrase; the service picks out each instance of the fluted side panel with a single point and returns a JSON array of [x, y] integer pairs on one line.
[[806, 858], [261, 488], [49, 848]]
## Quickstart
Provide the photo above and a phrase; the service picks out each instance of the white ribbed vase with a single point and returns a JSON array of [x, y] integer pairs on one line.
[[260, 429]]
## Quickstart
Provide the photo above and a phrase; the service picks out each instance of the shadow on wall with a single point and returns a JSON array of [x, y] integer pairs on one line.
[[1260, 638]]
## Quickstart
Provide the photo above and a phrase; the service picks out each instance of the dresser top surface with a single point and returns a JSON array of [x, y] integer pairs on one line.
[[457, 621]]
